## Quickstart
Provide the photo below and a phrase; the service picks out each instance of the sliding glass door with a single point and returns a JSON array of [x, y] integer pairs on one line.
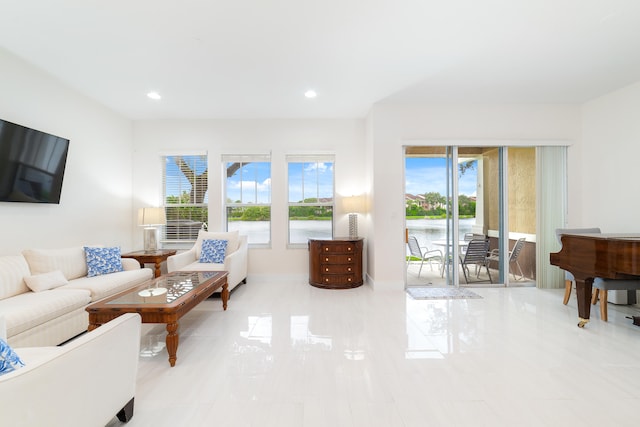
[[458, 202]]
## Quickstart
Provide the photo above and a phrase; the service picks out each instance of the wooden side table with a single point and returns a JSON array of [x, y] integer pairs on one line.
[[155, 257], [336, 263]]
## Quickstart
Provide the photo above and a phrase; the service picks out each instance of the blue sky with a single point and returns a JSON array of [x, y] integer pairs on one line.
[[251, 183], [316, 178], [425, 175]]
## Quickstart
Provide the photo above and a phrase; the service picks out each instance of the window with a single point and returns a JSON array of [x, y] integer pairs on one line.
[[248, 196], [185, 184], [310, 197]]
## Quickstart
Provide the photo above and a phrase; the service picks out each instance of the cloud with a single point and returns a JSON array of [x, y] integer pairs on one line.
[[320, 166]]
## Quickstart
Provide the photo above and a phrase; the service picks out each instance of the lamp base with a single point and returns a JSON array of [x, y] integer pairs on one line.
[[353, 225], [150, 239]]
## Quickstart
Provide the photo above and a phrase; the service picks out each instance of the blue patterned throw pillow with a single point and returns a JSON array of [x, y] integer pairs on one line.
[[9, 360], [102, 260], [213, 251]]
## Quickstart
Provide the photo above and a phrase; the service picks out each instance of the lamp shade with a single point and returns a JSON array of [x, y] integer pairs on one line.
[[353, 204], [151, 216]]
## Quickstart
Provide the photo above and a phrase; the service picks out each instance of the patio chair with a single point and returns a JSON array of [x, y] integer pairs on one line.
[[476, 255], [494, 255], [417, 251]]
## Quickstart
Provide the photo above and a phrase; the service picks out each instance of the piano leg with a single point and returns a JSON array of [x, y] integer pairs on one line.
[[583, 293]]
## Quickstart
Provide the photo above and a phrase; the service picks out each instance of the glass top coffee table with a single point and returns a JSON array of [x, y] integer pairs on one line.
[[162, 300]]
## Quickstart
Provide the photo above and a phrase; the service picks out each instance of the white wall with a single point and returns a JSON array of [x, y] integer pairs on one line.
[[344, 138], [395, 126], [95, 206], [604, 177]]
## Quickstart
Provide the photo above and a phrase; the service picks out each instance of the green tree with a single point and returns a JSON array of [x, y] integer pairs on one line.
[[466, 205], [434, 199]]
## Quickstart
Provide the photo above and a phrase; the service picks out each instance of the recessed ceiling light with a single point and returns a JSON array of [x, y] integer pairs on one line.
[[310, 94], [154, 95]]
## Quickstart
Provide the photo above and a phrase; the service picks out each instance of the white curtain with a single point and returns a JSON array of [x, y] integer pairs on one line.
[[551, 170]]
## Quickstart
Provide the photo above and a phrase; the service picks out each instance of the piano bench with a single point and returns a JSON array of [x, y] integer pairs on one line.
[[604, 285]]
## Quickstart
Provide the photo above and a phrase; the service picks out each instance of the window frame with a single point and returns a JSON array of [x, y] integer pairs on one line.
[[247, 158], [199, 160], [310, 158]]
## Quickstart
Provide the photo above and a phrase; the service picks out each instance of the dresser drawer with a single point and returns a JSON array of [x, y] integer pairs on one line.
[[337, 280], [338, 248], [337, 259], [337, 268]]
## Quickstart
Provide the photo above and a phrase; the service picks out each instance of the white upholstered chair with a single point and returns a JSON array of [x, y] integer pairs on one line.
[[235, 260], [85, 382]]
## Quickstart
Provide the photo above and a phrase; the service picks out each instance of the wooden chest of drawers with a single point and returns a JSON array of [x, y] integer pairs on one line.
[[335, 264]]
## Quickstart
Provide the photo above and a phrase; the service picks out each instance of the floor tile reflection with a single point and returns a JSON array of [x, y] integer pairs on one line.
[[287, 354]]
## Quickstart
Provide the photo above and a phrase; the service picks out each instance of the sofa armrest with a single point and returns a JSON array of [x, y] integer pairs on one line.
[[52, 388], [130, 264], [236, 263], [178, 261]]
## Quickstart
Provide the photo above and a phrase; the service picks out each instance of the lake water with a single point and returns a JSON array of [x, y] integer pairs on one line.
[[301, 231], [429, 230], [425, 230]]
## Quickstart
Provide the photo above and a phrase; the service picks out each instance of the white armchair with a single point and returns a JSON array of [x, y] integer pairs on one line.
[[85, 382], [235, 261]]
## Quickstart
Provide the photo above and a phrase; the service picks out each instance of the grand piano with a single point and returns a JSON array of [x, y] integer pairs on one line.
[[587, 256]]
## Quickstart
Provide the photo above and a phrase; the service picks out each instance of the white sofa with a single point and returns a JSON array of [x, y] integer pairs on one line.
[[53, 316], [83, 383], [235, 261]]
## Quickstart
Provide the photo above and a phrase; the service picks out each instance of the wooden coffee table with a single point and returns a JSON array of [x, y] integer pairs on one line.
[[184, 290]]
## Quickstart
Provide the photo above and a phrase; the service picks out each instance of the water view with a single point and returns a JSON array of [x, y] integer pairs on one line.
[[426, 230], [301, 231], [429, 230]]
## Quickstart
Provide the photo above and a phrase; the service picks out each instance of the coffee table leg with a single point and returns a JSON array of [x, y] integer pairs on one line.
[[172, 342], [225, 294]]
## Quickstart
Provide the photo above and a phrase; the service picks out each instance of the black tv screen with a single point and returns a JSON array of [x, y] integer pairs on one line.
[[31, 164]]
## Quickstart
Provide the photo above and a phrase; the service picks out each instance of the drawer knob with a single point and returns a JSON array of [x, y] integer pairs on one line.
[[326, 249], [326, 269], [349, 248], [326, 259], [348, 259], [349, 269], [326, 280], [349, 279]]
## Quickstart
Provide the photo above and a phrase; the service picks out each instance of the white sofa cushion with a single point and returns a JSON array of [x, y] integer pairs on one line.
[[46, 281], [71, 261], [232, 238], [3, 327], [203, 266], [109, 284], [13, 268], [28, 310]]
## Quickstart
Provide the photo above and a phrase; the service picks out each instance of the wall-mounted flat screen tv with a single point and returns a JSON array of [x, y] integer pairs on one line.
[[31, 164]]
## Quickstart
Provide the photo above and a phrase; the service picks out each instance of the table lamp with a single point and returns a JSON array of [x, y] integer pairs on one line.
[[353, 205], [150, 218]]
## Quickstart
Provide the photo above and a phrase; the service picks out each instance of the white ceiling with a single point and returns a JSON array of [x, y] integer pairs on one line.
[[256, 58]]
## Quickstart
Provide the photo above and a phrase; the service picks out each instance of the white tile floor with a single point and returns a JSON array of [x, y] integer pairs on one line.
[[288, 354]]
